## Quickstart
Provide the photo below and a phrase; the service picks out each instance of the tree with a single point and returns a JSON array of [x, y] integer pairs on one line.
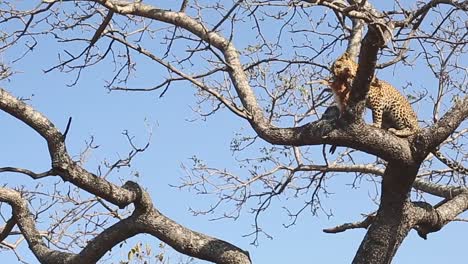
[[274, 83]]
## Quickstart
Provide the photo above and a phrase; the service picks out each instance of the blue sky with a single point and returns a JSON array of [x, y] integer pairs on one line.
[[106, 115]]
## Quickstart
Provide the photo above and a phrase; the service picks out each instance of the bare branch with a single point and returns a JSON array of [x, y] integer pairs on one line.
[[448, 192], [426, 7], [361, 224], [101, 28], [27, 172], [230, 105], [440, 131], [5, 231]]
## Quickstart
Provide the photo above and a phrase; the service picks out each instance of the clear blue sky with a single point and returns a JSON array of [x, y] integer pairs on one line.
[[105, 115]]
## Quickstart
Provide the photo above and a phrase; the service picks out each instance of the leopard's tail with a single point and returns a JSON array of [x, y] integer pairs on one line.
[[452, 165]]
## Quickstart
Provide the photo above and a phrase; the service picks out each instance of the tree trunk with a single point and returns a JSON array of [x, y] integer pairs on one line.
[[393, 220]]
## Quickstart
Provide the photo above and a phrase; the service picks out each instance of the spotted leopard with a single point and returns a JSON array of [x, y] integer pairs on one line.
[[390, 109]]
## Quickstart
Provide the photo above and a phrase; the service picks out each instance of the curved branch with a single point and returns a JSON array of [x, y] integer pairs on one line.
[[463, 5], [62, 164], [353, 11], [145, 219], [433, 136], [361, 224], [193, 243], [5, 231], [430, 219], [27, 172], [28, 228]]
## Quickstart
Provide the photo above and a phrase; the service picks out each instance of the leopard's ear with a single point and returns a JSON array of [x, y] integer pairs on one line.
[[345, 56], [349, 56]]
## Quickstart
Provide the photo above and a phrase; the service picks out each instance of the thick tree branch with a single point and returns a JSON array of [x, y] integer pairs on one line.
[[192, 243], [28, 228], [433, 136], [363, 11], [62, 164], [452, 208], [439, 190], [145, 219], [429, 219]]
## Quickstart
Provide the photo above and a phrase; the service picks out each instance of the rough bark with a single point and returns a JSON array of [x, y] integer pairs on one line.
[[393, 220]]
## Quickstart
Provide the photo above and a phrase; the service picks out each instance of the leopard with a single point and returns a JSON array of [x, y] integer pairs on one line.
[[391, 110]]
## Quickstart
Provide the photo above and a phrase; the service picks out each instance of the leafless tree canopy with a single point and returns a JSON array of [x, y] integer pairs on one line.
[[265, 62]]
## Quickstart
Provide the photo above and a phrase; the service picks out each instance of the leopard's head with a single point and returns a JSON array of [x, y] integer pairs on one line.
[[344, 67]]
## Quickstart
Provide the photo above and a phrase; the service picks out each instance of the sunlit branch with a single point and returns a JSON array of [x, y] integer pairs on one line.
[[27, 172], [361, 224]]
